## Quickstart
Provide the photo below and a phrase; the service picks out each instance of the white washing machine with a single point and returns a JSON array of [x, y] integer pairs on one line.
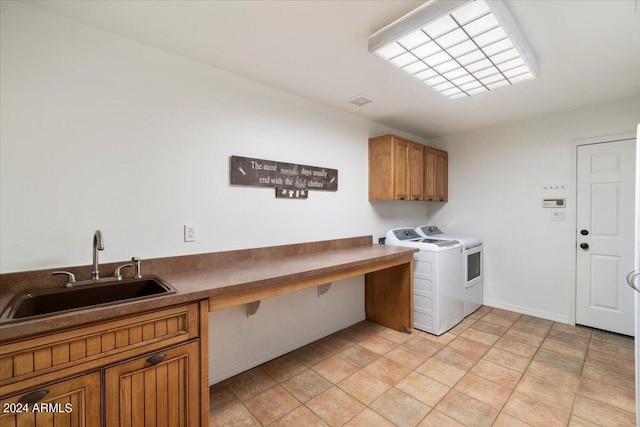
[[437, 273], [472, 265]]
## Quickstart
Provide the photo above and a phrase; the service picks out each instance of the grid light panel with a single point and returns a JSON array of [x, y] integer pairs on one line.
[[462, 53]]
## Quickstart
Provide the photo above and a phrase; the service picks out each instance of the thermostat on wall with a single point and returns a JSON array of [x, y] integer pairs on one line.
[[554, 203]]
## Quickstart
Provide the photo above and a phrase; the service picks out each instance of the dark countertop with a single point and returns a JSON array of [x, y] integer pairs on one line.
[[217, 275]]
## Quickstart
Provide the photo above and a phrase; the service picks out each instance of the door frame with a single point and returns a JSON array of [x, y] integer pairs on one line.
[[572, 211]]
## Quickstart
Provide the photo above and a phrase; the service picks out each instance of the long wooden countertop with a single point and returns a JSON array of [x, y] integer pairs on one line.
[[225, 278]]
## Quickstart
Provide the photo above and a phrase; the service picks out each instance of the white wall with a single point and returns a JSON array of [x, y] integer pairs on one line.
[[102, 132], [99, 132], [497, 179]]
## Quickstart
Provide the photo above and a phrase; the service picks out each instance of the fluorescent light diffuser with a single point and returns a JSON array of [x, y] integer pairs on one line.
[[458, 47]]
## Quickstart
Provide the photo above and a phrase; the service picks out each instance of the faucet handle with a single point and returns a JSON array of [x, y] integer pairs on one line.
[[71, 279], [117, 274], [136, 264]]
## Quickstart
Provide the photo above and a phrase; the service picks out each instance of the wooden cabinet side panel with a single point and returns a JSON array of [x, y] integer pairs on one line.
[[204, 363], [442, 176], [389, 297], [138, 393], [381, 170], [417, 172], [73, 402]]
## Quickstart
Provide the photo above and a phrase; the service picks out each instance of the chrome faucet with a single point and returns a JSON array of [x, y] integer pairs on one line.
[[98, 245]]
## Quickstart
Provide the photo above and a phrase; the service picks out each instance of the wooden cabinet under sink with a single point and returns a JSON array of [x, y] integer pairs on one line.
[[400, 169], [145, 368], [71, 402]]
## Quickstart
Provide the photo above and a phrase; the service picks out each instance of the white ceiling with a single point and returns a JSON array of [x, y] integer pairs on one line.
[[588, 53]]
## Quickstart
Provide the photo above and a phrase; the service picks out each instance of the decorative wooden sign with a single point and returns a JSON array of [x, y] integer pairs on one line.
[[283, 193], [268, 173]]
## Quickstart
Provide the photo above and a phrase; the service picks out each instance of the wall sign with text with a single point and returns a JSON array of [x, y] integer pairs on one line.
[[269, 173]]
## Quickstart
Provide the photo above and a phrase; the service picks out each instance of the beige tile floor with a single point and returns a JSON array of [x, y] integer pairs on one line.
[[495, 368]]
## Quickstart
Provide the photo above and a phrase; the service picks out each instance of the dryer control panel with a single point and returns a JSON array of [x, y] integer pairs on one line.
[[430, 230]]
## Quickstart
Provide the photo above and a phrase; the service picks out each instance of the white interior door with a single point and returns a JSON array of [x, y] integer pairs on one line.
[[605, 235]]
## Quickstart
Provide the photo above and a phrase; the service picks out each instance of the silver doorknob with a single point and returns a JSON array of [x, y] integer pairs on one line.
[[631, 277]]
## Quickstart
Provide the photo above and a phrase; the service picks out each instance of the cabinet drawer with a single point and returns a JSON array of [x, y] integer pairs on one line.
[[95, 345]]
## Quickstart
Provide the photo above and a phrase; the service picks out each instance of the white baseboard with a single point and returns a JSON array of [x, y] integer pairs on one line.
[[258, 359], [528, 311]]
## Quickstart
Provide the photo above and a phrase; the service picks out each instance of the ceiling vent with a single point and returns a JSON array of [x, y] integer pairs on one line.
[[359, 100]]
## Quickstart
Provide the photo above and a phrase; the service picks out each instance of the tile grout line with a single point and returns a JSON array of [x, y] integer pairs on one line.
[[468, 370], [492, 346], [352, 342], [523, 373], [367, 406], [584, 363]]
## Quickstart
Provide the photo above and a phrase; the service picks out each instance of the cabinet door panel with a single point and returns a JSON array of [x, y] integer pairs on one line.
[[442, 176], [417, 172], [381, 168], [429, 174], [141, 393], [74, 402]]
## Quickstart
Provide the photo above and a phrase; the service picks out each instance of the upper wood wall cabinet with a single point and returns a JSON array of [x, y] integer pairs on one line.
[[400, 169]]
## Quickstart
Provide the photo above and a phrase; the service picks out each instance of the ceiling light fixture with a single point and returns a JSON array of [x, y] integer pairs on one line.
[[458, 47]]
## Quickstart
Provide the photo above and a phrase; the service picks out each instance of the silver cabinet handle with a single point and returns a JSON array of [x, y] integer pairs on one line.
[[631, 277]]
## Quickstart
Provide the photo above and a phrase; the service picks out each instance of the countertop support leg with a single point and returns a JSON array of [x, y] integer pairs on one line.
[[389, 297]]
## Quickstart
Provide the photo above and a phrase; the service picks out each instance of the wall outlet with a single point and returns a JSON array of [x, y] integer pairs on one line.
[[189, 233]]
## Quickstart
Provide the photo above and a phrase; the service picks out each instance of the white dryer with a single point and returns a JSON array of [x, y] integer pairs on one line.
[[472, 264], [437, 273]]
